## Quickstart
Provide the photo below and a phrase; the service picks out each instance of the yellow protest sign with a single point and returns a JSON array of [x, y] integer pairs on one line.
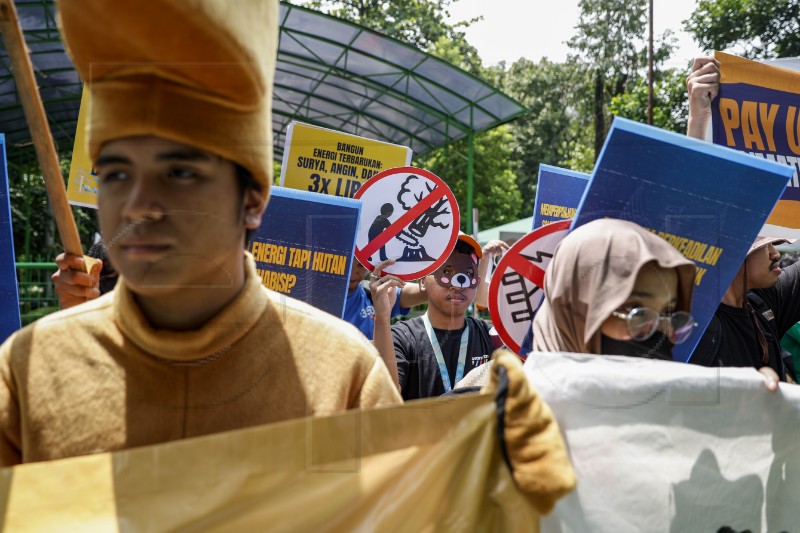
[[331, 162], [82, 185], [756, 112]]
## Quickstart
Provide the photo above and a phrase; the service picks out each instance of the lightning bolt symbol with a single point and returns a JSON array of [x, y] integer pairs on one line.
[[539, 257]]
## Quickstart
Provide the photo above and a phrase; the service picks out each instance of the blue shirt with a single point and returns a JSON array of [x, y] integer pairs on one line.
[[358, 310]]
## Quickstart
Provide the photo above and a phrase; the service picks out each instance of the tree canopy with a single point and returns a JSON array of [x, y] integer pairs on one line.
[[571, 103], [421, 23], [757, 29]]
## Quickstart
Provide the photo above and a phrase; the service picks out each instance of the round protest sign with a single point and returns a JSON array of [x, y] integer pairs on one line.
[[515, 292], [410, 215]]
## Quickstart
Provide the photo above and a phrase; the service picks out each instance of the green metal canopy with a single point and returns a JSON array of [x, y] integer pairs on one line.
[[330, 73], [341, 75]]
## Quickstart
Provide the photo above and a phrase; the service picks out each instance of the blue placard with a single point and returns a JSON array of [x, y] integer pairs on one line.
[[558, 193], [708, 201], [304, 247], [9, 296]]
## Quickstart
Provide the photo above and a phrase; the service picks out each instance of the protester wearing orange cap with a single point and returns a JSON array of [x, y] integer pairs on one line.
[[429, 355], [189, 343]]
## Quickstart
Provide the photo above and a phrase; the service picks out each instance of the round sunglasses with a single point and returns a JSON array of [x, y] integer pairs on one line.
[[643, 322]]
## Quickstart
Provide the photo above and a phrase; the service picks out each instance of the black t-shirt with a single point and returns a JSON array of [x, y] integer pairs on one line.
[[738, 343], [736, 337], [417, 368]]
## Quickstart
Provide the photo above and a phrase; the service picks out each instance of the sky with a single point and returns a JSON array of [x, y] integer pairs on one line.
[[533, 29]]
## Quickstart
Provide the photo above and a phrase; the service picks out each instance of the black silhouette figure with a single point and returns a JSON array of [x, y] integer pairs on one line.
[[414, 189], [380, 223]]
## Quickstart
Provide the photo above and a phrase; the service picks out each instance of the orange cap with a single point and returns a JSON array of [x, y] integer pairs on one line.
[[463, 237]]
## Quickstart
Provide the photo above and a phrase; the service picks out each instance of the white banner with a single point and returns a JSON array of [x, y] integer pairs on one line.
[[672, 447]]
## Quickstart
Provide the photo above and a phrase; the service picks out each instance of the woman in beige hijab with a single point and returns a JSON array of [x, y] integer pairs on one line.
[[614, 288]]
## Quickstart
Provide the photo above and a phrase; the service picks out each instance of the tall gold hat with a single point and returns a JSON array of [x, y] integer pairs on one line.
[[198, 72]]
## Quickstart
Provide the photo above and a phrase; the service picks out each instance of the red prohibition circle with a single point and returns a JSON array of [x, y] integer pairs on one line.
[[513, 261], [441, 190]]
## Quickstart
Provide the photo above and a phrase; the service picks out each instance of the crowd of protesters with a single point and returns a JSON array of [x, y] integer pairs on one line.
[[174, 336], [645, 314]]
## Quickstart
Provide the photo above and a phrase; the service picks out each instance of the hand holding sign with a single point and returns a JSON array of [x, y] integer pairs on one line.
[[383, 289], [410, 215]]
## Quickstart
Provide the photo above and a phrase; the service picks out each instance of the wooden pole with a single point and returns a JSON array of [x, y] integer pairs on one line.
[[40, 129]]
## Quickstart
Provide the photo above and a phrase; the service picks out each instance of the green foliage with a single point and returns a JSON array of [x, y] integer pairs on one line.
[[35, 234], [610, 43], [570, 103], [495, 190], [458, 53], [579, 152], [763, 29], [606, 42], [610, 34], [670, 108], [550, 91], [420, 23], [416, 22]]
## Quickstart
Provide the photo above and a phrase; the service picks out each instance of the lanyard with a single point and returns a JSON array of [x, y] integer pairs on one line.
[[437, 350]]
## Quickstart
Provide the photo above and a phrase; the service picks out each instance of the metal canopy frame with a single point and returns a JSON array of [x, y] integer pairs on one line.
[[330, 72]]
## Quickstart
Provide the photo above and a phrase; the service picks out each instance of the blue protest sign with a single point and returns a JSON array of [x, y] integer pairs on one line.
[[9, 297], [558, 193], [304, 246], [706, 200]]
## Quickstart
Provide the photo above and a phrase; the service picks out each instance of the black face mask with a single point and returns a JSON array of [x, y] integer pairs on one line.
[[656, 347]]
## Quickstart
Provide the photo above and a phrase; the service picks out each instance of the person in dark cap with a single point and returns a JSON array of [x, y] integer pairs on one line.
[[189, 342], [762, 302], [760, 305]]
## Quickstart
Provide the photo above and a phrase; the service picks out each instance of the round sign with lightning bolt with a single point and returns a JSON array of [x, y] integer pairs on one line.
[[516, 290]]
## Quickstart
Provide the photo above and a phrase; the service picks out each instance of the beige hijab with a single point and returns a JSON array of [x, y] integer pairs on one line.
[[592, 273]]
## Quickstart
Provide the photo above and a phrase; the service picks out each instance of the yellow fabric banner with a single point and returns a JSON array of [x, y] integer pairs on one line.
[[432, 465]]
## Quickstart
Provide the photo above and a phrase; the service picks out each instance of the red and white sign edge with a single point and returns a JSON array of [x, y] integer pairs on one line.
[[540, 243]]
